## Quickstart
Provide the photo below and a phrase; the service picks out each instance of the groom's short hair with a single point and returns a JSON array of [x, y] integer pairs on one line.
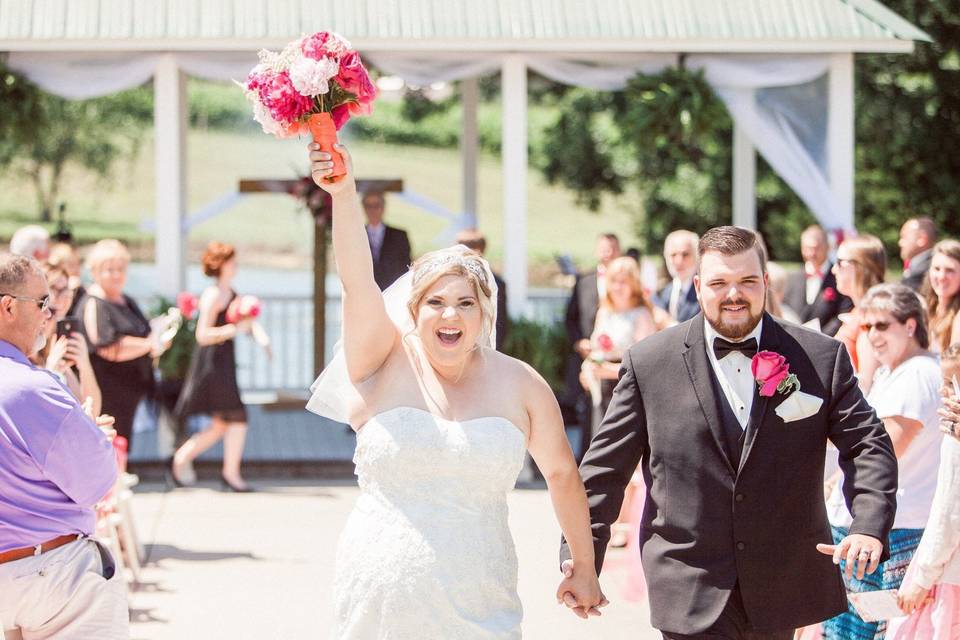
[[731, 241]]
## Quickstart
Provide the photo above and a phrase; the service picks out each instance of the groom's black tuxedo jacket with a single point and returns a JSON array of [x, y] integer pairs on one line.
[[710, 521]]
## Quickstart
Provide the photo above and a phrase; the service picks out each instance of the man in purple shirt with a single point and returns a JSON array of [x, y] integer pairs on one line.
[[55, 464]]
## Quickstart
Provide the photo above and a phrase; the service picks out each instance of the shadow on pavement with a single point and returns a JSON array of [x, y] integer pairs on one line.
[[158, 552]]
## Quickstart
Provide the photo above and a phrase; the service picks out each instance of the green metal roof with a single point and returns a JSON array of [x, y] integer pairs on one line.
[[458, 25]]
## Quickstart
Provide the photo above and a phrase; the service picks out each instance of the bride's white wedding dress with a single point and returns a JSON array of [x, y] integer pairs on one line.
[[426, 552]]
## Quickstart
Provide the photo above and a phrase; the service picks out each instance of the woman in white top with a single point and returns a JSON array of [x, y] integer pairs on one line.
[[906, 395], [930, 592]]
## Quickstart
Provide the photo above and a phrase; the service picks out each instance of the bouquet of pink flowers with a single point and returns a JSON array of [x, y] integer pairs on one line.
[[315, 84], [242, 308]]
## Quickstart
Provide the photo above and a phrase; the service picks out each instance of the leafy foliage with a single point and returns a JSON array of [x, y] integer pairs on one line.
[[175, 361], [672, 139], [542, 346], [47, 133]]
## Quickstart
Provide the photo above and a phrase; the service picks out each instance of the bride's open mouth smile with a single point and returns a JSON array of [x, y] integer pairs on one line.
[[448, 336]]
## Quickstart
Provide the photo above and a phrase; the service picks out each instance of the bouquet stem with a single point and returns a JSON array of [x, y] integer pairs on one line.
[[324, 133]]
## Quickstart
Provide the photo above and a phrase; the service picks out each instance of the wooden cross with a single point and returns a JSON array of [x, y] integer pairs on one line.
[[320, 207]]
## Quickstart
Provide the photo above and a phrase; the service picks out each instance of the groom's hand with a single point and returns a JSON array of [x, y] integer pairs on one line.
[[859, 550], [581, 595]]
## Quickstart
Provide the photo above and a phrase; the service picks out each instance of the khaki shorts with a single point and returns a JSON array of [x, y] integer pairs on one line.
[[73, 592]]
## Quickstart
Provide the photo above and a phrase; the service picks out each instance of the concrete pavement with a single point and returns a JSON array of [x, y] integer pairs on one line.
[[260, 566]]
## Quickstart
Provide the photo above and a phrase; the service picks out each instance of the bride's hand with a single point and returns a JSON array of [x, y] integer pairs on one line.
[[580, 591], [321, 165]]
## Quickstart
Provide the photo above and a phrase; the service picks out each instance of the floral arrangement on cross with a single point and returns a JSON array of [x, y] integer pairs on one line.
[[315, 84]]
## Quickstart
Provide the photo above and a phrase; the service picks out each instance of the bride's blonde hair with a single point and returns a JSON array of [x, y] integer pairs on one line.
[[455, 261]]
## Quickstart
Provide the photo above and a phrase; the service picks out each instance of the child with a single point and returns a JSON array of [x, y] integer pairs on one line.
[[930, 592]]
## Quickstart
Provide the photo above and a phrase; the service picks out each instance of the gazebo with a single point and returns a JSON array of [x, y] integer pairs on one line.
[[784, 68]]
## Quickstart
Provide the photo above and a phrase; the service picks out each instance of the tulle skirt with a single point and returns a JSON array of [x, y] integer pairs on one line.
[[939, 620]]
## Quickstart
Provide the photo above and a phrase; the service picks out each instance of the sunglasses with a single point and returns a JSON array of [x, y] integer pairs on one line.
[[879, 326], [42, 303]]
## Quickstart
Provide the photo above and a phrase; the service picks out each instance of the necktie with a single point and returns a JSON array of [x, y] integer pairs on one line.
[[722, 348], [375, 244]]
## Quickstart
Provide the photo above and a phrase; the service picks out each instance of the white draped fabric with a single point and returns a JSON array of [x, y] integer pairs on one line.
[[781, 102]]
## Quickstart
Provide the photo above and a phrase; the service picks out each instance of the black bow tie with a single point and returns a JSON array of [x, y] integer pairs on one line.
[[722, 348]]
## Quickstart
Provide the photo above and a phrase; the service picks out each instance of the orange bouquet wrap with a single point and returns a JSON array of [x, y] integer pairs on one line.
[[324, 133]]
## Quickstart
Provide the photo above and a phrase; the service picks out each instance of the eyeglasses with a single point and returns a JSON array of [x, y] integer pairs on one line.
[[42, 303], [879, 326]]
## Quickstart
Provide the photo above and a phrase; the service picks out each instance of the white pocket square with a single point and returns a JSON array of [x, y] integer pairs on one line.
[[799, 405]]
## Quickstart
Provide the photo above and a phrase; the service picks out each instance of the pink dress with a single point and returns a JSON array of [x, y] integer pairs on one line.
[[937, 560]]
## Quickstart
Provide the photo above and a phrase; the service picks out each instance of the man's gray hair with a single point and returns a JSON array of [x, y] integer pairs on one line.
[[15, 270], [26, 241]]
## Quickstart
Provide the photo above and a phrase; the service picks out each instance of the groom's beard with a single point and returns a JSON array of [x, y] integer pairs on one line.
[[736, 330]]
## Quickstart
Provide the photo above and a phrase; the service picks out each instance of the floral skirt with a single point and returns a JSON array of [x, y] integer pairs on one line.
[[889, 575]]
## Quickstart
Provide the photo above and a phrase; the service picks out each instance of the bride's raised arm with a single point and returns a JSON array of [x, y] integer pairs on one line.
[[368, 333]]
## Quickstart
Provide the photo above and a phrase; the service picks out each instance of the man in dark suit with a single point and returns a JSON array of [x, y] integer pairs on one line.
[[580, 317], [812, 293], [390, 246], [473, 239], [917, 237], [679, 298], [734, 534]]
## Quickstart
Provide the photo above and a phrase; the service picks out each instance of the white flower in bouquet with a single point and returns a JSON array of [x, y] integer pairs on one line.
[[312, 77]]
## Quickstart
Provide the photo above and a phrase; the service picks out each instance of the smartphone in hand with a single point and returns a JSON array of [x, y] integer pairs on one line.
[[67, 326]]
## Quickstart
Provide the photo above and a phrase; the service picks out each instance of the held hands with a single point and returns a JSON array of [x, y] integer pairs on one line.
[[68, 352], [580, 591], [858, 550], [321, 165], [912, 596]]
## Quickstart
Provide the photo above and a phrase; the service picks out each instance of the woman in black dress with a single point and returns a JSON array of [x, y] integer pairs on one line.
[[121, 347], [211, 383]]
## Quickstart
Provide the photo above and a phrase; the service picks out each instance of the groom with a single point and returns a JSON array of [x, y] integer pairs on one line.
[[734, 512]]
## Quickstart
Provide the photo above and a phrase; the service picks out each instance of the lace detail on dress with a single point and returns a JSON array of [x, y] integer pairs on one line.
[[427, 552]]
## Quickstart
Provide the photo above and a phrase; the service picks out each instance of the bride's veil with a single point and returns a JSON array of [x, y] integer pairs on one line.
[[332, 393]]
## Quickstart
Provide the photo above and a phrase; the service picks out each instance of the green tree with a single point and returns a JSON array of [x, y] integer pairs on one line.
[[671, 137], [45, 133]]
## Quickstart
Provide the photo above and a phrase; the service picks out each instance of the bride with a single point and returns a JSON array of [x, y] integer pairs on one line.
[[443, 422]]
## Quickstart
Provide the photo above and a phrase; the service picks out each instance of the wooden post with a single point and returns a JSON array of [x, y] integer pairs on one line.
[[321, 218]]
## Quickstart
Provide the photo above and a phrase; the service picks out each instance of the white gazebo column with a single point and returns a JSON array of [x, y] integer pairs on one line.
[[840, 137], [170, 144], [514, 158], [744, 180], [469, 144]]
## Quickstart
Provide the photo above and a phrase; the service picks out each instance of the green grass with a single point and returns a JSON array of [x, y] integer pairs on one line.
[[272, 229]]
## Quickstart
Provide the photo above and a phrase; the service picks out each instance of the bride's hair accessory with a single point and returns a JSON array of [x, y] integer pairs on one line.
[[441, 262]]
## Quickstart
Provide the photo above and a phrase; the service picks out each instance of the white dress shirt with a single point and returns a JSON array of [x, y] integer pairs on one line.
[[678, 291], [815, 281], [734, 373], [375, 235]]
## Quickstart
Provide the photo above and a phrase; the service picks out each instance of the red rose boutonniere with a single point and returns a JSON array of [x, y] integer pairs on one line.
[[829, 294], [772, 374]]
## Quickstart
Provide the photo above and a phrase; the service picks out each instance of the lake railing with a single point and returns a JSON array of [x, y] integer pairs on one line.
[[289, 322]]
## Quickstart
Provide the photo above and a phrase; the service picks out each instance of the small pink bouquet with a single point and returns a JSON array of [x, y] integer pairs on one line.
[[187, 304], [314, 84], [243, 308]]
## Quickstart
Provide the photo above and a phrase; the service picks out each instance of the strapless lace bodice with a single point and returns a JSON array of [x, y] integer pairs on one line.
[[427, 552]]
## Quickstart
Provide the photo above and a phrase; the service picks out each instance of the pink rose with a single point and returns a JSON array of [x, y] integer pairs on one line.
[[187, 303], [243, 307], [340, 115], [605, 342], [353, 77], [829, 294], [769, 370]]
